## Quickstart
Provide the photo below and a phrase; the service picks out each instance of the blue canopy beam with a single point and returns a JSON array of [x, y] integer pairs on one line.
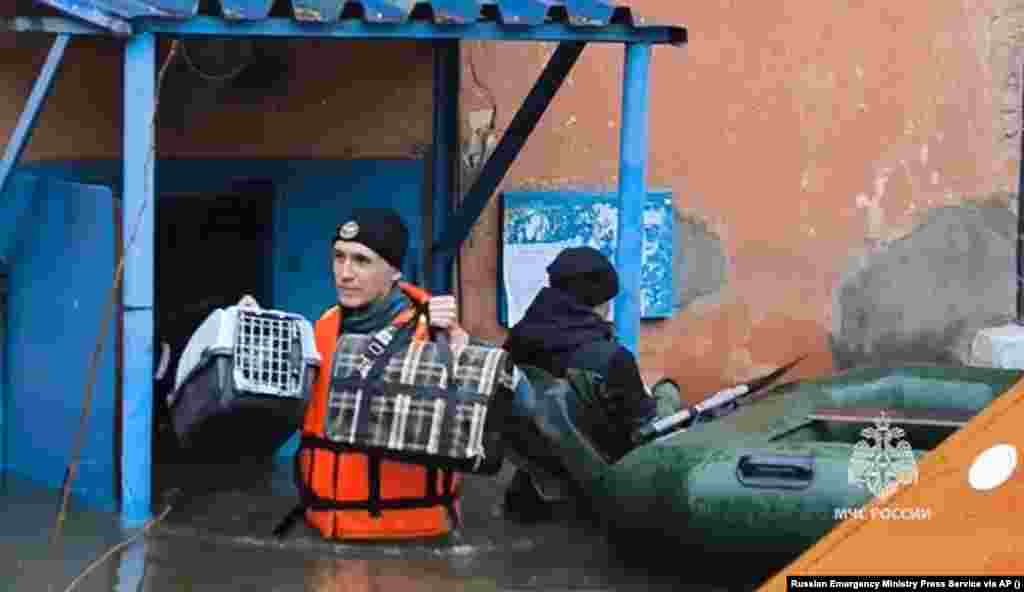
[[52, 24], [116, 15], [138, 216], [94, 15], [207, 26], [632, 193], [445, 155], [36, 101], [512, 141], [411, 30]]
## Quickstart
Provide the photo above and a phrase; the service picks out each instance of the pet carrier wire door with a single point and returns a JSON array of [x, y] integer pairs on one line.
[[268, 355], [243, 382]]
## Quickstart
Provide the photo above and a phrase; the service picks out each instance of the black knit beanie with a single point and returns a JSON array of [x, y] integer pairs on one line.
[[380, 229], [585, 274]]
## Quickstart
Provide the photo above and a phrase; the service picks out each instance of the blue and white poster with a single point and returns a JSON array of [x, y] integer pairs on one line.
[[537, 225]]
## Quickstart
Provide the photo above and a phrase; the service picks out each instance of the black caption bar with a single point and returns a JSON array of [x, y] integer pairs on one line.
[[988, 582]]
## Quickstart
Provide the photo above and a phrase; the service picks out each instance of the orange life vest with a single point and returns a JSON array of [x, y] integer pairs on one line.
[[346, 478]]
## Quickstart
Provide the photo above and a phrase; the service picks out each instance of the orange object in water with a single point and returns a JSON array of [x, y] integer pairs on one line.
[[343, 476], [963, 516]]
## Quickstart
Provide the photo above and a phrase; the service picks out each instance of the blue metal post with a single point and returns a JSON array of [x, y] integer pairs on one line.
[[36, 99], [139, 205], [632, 192], [445, 156]]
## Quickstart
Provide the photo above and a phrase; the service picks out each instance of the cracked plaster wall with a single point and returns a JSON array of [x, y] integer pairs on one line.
[[922, 298]]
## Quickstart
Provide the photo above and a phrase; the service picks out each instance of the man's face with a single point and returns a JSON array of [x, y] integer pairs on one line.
[[360, 275]]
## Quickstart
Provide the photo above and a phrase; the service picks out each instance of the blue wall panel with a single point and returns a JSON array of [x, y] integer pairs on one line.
[[536, 225], [61, 273], [3, 368], [14, 203], [309, 208]]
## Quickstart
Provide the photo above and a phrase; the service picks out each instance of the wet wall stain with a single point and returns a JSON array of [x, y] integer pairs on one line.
[[921, 298], [701, 264]]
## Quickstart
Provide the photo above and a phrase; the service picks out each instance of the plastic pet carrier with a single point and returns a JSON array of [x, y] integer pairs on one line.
[[243, 382]]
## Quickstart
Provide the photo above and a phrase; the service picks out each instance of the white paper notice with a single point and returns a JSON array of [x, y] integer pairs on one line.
[[537, 226], [526, 272]]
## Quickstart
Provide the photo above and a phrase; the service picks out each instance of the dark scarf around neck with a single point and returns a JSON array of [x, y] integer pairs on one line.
[[376, 315], [555, 323]]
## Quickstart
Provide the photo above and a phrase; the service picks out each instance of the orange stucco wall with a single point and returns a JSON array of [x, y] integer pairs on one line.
[[805, 135]]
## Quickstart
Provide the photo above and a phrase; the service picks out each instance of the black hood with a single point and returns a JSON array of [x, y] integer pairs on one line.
[[555, 325]]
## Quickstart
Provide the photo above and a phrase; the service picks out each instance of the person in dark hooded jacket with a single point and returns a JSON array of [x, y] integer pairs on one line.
[[565, 327]]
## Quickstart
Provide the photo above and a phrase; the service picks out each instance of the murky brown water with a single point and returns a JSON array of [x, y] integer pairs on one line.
[[220, 542]]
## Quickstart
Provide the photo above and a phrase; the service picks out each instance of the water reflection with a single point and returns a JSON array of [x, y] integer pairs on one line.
[[28, 560], [170, 560], [131, 571], [177, 564], [341, 575]]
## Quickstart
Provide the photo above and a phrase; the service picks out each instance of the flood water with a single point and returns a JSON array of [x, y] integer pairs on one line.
[[220, 540]]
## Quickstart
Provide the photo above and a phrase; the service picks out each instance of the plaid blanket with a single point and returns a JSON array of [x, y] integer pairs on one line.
[[408, 405]]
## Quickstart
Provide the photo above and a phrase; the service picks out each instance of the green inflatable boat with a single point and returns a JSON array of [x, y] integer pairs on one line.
[[780, 470]]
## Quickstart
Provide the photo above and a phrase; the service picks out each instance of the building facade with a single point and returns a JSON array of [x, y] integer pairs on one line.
[[844, 177]]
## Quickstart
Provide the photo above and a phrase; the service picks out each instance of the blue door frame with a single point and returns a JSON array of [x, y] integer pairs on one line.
[[449, 228]]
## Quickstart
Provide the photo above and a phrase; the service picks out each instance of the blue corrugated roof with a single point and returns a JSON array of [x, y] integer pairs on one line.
[[509, 12]]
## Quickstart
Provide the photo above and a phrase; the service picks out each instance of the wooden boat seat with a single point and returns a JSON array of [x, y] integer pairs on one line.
[[952, 418]]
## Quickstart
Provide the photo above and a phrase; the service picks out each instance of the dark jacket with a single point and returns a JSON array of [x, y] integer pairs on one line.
[[557, 333]]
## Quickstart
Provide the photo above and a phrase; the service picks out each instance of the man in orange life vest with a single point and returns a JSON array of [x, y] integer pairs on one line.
[[368, 250]]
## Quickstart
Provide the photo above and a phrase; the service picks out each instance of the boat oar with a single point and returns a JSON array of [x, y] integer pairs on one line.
[[720, 399]]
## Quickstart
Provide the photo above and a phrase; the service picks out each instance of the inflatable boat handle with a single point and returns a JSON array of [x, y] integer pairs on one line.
[[775, 471]]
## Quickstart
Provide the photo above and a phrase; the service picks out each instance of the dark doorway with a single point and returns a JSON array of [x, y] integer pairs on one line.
[[210, 251]]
